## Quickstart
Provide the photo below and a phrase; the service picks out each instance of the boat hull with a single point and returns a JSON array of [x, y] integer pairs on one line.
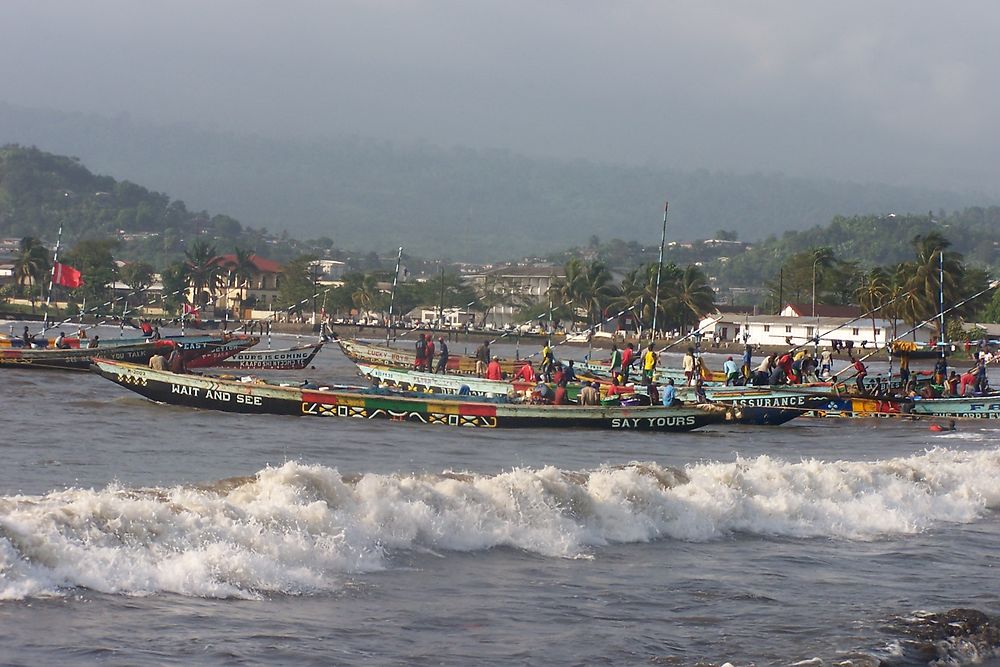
[[981, 407], [249, 398], [77, 359], [757, 405], [294, 358], [380, 355]]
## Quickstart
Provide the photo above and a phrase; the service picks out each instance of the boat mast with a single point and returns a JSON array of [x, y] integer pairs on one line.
[[941, 338], [392, 296], [659, 270], [52, 275]]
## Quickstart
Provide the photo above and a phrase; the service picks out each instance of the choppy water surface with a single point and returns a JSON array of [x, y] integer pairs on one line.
[[136, 533]]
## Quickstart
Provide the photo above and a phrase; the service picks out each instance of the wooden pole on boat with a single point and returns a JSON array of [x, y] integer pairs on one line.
[[392, 296], [659, 270], [942, 337], [52, 275]]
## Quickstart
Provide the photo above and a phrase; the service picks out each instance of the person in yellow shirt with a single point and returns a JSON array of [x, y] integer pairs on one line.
[[648, 364]]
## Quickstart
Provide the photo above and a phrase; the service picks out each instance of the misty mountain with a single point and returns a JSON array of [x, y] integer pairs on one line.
[[461, 203]]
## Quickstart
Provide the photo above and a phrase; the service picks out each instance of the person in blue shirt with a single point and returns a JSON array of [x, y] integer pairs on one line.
[[747, 368], [669, 394], [731, 370], [569, 373]]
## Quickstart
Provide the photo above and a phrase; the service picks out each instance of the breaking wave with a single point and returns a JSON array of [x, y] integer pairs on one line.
[[300, 528]]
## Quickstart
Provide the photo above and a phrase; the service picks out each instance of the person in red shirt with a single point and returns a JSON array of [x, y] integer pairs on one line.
[[785, 362], [493, 370], [527, 373], [617, 389], [429, 355], [560, 396], [860, 372], [628, 357]]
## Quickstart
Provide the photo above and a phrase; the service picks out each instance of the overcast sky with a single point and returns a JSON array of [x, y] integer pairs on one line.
[[901, 92]]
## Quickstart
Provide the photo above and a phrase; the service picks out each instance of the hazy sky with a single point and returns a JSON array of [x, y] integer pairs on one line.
[[903, 92]]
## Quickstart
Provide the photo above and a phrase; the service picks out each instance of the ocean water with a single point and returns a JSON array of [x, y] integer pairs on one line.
[[136, 533]]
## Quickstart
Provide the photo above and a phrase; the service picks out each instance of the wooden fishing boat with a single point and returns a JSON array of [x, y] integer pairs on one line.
[[976, 407], [198, 351], [209, 351], [80, 359], [380, 355], [256, 398], [290, 358], [765, 406]]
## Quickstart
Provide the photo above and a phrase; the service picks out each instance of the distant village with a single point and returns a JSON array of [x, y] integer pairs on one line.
[[257, 297]]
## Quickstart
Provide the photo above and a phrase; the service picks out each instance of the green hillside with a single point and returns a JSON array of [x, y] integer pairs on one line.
[[460, 203], [41, 192]]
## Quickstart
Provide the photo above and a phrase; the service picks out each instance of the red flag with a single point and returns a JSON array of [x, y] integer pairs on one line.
[[66, 275], [191, 310]]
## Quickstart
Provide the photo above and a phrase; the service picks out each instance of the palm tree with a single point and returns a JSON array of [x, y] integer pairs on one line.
[[693, 296], [366, 294], [203, 271], [243, 269], [31, 265], [873, 293], [594, 291], [632, 294], [925, 276], [586, 286]]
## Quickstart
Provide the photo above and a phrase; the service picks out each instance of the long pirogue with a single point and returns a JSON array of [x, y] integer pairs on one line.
[[257, 398]]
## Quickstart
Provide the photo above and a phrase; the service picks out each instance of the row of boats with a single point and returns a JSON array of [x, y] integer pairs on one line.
[[397, 392]]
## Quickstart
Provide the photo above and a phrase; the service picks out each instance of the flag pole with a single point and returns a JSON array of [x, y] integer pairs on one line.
[[392, 296], [52, 275], [659, 270]]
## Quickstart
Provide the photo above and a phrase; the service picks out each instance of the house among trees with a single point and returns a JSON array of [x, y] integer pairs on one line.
[[243, 281], [511, 288]]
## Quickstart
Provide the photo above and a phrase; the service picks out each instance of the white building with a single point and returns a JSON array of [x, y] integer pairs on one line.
[[780, 330]]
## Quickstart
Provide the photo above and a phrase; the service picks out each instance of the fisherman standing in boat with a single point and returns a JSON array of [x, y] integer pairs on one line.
[[616, 360], [527, 372], [746, 368], [826, 362], [648, 364], [860, 372], [482, 359], [442, 365], [687, 363], [628, 358], [429, 354], [421, 351], [548, 361]]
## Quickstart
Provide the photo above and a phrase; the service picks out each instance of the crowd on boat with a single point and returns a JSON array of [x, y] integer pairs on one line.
[[633, 375]]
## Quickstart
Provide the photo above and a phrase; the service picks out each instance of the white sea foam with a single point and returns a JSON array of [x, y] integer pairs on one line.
[[297, 528]]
